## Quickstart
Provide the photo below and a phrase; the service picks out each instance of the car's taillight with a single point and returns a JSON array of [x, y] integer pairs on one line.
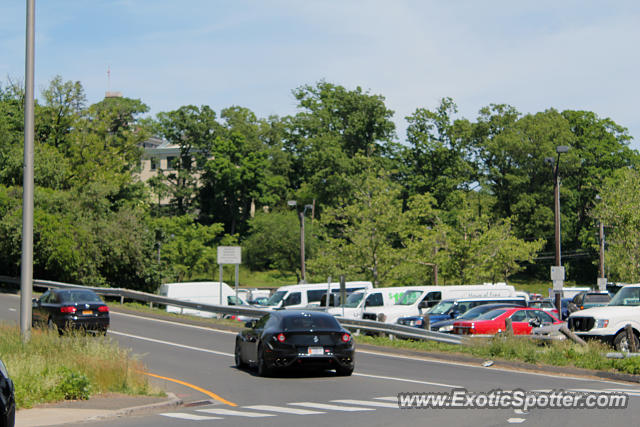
[[103, 309], [346, 337], [280, 337], [67, 310]]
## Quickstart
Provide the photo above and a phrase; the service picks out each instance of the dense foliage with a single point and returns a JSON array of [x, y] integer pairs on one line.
[[462, 200]]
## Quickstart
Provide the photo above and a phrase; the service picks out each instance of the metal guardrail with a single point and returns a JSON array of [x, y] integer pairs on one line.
[[351, 324]]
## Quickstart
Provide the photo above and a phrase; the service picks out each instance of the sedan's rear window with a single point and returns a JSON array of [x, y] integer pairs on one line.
[[78, 296], [305, 323], [490, 315]]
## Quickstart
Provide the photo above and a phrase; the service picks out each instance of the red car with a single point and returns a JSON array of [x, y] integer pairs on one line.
[[523, 320]]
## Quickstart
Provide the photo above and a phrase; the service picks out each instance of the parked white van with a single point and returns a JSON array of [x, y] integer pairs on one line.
[[309, 294], [374, 299], [419, 298], [203, 292]]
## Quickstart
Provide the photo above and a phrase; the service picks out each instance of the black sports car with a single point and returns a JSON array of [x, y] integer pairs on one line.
[[295, 338], [71, 308]]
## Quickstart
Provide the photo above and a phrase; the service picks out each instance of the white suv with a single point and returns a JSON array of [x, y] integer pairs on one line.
[[608, 323]]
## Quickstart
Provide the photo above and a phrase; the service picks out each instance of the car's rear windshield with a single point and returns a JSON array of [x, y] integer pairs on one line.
[[596, 298], [78, 296], [309, 322], [490, 315]]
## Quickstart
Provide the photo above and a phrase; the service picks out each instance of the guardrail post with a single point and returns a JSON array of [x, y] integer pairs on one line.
[[508, 327], [573, 337], [150, 304], [121, 300], [427, 322]]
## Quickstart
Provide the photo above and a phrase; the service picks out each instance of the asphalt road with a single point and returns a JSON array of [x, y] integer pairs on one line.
[[201, 359]]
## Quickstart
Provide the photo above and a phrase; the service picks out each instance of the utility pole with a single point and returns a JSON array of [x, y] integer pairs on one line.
[[26, 274]]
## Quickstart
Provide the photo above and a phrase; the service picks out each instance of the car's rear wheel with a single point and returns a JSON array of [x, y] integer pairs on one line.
[[621, 342], [263, 369], [238, 356]]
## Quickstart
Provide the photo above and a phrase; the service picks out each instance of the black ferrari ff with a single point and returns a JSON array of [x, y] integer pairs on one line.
[[295, 338]]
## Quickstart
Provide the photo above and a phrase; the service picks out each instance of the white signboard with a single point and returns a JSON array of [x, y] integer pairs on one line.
[[557, 273], [229, 255], [602, 283]]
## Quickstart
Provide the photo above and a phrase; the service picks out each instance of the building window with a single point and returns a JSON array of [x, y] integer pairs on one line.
[[171, 162], [154, 163]]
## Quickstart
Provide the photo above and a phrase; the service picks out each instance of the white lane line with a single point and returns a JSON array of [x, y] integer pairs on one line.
[[493, 368], [388, 398], [193, 417], [330, 407], [389, 355], [406, 380], [188, 347], [367, 403], [233, 413], [12, 309], [204, 328], [516, 420], [283, 410]]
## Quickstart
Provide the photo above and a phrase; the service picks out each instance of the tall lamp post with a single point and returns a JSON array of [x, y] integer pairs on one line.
[[557, 272], [602, 281], [301, 214]]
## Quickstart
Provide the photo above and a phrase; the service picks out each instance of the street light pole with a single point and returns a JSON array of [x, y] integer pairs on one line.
[[303, 276], [301, 214], [26, 269], [558, 275]]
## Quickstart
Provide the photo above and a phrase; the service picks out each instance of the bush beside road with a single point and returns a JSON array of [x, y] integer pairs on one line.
[[74, 366]]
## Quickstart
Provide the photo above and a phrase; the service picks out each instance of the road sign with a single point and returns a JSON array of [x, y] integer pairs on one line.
[[557, 273], [229, 255]]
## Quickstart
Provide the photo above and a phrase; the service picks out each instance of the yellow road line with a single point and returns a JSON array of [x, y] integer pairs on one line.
[[195, 387]]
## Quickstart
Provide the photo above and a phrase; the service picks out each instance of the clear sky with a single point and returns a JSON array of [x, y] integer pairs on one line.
[[533, 55]]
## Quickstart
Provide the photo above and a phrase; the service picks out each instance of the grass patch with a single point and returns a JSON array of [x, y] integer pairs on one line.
[[523, 349], [159, 310], [51, 367]]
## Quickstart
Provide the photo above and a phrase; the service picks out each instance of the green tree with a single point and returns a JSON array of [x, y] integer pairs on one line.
[[361, 236], [274, 242], [439, 157], [618, 210]]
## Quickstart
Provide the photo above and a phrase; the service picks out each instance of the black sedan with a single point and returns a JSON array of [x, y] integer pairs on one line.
[[7, 398], [71, 308], [295, 338]]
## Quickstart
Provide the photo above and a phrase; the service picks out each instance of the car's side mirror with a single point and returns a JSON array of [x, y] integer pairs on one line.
[[251, 324], [454, 314], [423, 304]]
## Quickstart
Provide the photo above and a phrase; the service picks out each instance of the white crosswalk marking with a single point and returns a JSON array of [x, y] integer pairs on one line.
[[388, 398], [367, 403], [330, 407], [516, 420], [233, 413], [283, 410], [185, 416]]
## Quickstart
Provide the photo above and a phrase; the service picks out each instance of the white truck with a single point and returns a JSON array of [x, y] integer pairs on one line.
[[608, 323], [372, 299], [309, 294], [213, 293], [417, 299]]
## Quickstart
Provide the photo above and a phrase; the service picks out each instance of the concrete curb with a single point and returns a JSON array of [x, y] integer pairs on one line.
[[172, 402]]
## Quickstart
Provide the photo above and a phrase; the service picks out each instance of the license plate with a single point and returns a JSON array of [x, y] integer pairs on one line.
[[315, 351], [87, 312]]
